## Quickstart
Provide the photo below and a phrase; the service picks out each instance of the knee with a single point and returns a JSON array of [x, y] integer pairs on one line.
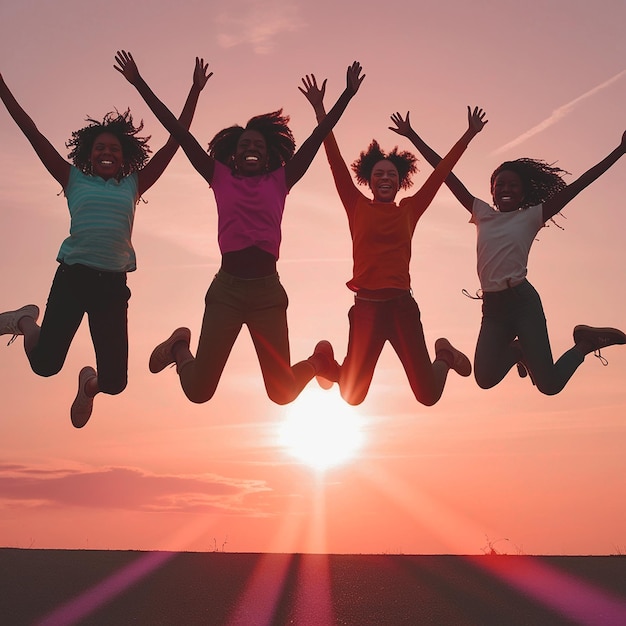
[[198, 397], [428, 401], [280, 397], [352, 398], [112, 388], [548, 390], [45, 369], [484, 382], [198, 388]]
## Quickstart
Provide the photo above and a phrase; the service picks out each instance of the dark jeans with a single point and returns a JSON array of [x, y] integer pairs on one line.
[[398, 321], [261, 304], [103, 296], [517, 313]]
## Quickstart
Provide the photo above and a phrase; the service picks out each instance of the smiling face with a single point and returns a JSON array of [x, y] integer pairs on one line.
[[251, 154], [384, 181], [507, 191], [106, 156]]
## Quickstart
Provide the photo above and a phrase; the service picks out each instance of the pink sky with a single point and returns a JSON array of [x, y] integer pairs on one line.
[[537, 474]]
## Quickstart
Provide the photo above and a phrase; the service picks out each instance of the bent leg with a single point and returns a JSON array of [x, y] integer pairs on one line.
[[549, 377], [495, 355], [62, 317], [221, 324], [426, 379], [108, 324], [365, 343], [267, 323]]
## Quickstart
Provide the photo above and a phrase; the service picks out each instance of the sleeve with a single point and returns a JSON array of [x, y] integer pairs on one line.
[[347, 190], [134, 182], [478, 209], [217, 172], [71, 181]]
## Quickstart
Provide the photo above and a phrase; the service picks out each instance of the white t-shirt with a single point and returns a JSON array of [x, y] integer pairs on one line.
[[503, 243]]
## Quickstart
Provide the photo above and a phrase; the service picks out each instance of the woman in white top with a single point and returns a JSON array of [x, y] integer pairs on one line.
[[526, 194]]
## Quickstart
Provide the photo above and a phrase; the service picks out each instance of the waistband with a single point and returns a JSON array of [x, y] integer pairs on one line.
[[512, 290], [382, 295], [251, 262], [229, 279], [79, 268]]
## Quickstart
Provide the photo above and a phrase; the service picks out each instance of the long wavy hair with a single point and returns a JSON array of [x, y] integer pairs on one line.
[[540, 180]]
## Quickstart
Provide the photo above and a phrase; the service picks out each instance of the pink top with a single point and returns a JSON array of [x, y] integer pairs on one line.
[[249, 208]]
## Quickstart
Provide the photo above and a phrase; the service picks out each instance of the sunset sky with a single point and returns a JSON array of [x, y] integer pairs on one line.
[[509, 467]]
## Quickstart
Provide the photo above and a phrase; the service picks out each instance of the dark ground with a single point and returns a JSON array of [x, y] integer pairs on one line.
[[113, 588]]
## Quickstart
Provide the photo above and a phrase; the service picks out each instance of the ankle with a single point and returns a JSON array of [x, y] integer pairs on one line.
[[26, 324], [446, 357], [181, 353], [91, 387], [584, 347], [319, 362]]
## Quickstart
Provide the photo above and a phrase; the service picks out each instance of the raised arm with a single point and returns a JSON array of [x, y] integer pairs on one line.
[[476, 122], [443, 169], [199, 158], [149, 174], [298, 165], [555, 204], [344, 183], [52, 160]]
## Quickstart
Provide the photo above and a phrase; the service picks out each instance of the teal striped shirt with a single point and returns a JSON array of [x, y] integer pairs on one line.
[[102, 214]]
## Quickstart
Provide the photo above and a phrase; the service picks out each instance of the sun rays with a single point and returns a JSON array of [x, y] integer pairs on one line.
[[321, 430]]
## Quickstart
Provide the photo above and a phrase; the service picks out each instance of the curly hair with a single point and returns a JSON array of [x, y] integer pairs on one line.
[[135, 149], [404, 162], [540, 180], [275, 130]]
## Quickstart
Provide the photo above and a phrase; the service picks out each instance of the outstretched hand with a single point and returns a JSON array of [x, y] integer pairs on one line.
[[313, 93], [127, 66], [403, 126], [353, 79], [200, 76], [476, 119]]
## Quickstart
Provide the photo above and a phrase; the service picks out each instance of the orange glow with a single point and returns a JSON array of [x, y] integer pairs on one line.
[[153, 471]]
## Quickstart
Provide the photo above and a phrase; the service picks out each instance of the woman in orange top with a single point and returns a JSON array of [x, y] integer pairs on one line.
[[384, 308]]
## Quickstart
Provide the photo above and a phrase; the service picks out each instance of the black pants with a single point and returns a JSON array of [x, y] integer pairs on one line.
[[103, 296], [517, 312]]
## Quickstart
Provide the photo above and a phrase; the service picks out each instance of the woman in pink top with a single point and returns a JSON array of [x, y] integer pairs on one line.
[[384, 308], [251, 171]]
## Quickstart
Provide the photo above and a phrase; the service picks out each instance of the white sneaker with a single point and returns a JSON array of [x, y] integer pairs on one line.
[[9, 321]]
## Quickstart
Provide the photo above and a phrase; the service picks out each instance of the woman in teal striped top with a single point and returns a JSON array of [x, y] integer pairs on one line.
[[109, 171]]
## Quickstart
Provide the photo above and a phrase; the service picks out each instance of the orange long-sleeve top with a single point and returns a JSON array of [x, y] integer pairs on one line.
[[382, 231]]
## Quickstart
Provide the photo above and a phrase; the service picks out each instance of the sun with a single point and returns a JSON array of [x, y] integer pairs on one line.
[[321, 429]]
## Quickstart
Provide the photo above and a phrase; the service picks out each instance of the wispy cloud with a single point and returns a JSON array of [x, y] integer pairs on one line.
[[559, 114], [124, 488], [257, 24]]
